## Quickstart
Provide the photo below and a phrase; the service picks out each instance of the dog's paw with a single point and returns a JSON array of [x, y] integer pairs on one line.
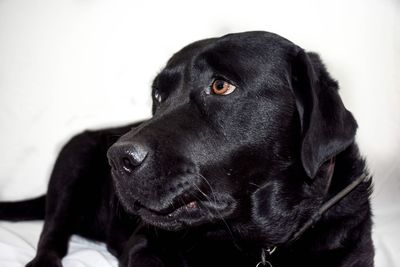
[[45, 260]]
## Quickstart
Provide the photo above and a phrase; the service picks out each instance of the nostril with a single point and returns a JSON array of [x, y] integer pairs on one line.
[[127, 165]]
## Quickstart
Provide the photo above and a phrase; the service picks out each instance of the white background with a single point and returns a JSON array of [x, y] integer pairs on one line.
[[70, 65]]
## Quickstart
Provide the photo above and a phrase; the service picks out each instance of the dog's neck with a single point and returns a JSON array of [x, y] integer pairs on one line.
[[265, 253]]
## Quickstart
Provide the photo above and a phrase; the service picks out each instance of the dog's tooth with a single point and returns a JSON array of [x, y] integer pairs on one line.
[[192, 205]]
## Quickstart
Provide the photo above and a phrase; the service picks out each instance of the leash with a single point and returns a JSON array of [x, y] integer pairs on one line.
[[316, 216]]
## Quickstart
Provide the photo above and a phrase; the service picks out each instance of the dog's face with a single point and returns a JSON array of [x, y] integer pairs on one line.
[[241, 127]]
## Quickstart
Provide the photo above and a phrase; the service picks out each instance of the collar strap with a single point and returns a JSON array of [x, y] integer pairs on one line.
[[329, 204]]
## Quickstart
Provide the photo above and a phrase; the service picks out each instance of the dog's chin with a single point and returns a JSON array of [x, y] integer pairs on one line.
[[190, 214]]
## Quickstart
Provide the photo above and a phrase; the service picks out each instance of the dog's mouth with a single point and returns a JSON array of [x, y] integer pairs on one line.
[[186, 212], [178, 203], [193, 206]]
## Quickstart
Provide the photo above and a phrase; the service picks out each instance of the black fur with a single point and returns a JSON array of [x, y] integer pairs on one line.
[[210, 180]]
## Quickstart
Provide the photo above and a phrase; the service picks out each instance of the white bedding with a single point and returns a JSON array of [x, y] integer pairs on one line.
[[18, 242], [18, 245]]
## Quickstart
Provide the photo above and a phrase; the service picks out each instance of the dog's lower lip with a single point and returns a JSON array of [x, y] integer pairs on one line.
[[191, 206], [170, 212], [192, 212], [172, 219]]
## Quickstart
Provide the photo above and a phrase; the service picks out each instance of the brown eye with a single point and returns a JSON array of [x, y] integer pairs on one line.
[[221, 87]]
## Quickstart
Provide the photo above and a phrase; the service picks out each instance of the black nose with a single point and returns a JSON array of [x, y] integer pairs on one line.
[[126, 156]]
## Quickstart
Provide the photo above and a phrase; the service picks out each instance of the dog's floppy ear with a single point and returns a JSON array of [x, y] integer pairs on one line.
[[327, 127]]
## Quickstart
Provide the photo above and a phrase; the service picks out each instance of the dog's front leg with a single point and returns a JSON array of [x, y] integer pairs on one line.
[[53, 243], [140, 253], [76, 194], [150, 250]]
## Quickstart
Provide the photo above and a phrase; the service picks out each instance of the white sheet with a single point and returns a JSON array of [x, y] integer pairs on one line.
[[18, 245]]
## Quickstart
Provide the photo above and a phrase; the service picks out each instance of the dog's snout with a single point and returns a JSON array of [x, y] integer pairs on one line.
[[127, 156]]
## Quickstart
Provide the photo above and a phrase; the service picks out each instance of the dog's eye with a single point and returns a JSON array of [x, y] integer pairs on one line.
[[221, 87], [157, 96]]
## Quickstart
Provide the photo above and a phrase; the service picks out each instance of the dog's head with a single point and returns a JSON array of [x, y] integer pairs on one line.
[[242, 126]]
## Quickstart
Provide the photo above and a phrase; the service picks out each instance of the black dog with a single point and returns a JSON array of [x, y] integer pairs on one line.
[[248, 140]]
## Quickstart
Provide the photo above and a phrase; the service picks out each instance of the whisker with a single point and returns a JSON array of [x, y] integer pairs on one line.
[[254, 184], [201, 192], [182, 202], [209, 185], [205, 196], [218, 213], [171, 203]]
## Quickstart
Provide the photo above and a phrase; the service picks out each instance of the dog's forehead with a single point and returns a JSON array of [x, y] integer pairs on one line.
[[246, 46], [240, 57], [187, 53], [254, 43]]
